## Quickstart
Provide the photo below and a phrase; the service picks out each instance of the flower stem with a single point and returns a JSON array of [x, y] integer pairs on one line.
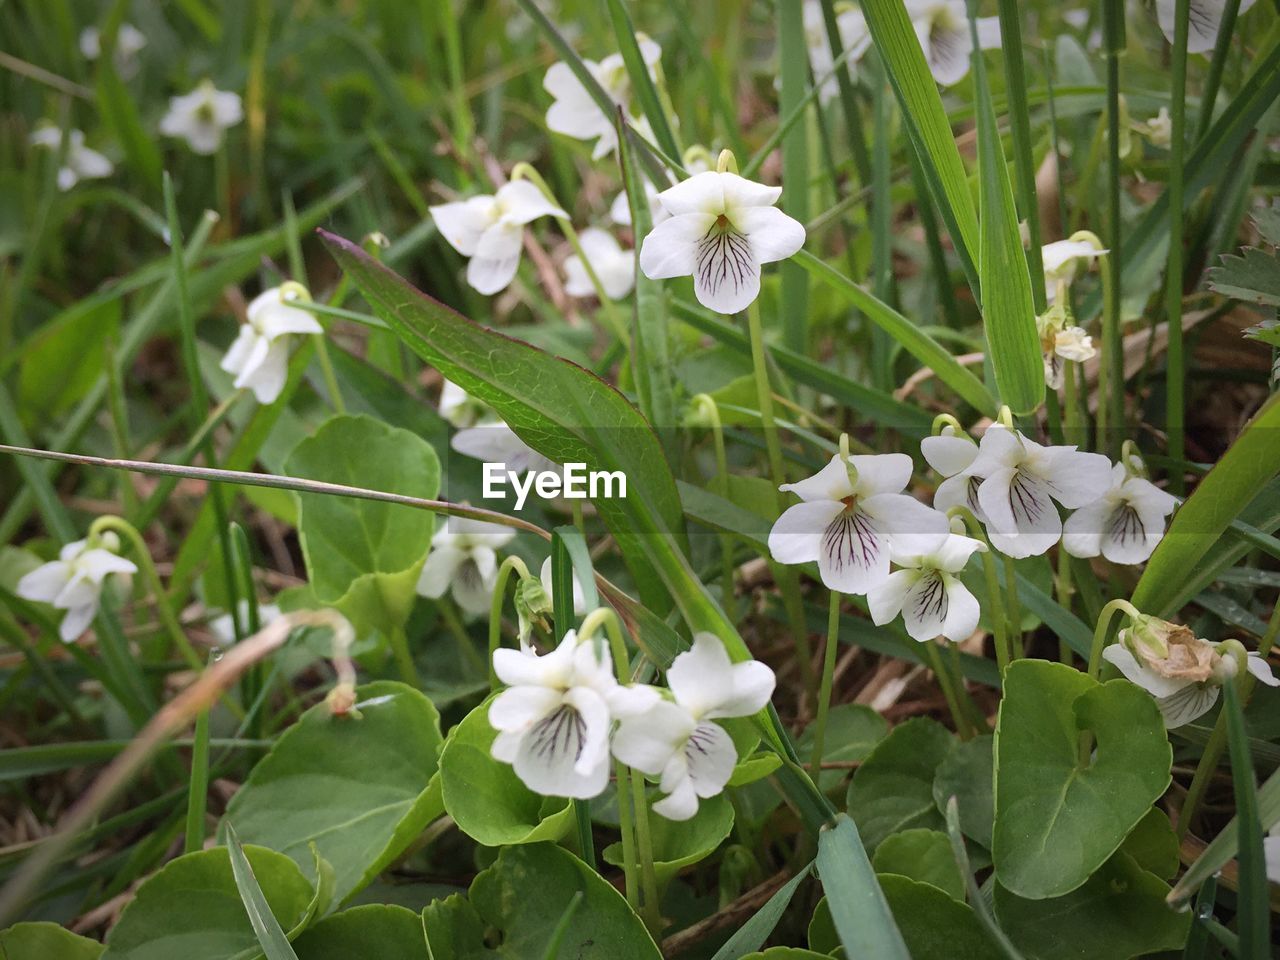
[[711, 410], [1073, 427], [994, 612], [1014, 609], [1065, 590], [404, 658], [1100, 632], [495, 608], [824, 693], [949, 693], [1111, 365], [330, 377], [1175, 372], [650, 909], [449, 614], [623, 775]]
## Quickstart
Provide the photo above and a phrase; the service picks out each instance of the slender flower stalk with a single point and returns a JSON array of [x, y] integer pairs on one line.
[[708, 410], [824, 692], [1175, 396], [505, 569]]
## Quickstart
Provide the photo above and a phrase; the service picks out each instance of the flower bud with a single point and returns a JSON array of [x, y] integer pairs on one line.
[[533, 605], [1170, 649]]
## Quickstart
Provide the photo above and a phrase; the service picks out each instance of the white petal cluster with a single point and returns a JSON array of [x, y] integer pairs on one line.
[[464, 561], [1124, 524], [614, 267], [1205, 18], [575, 112], [483, 435], [721, 228], [74, 582], [855, 39], [1060, 341], [1158, 129], [1062, 259], [80, 162], [942, 27], [129, 43], [259, 356], [490, 231], [928, 593], [564, 713], [202, 117]]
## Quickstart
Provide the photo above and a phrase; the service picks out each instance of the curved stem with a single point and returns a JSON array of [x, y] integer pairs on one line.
[[1100, 633], [495, 608]]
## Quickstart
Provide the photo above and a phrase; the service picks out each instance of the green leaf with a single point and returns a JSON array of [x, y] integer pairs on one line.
[[935, 926], [364, 557], [678, 844], [265, 926], [1058, 819], [853, 730], [914, 340], [1118, 913], [1253, 276], [926, 122], [967, 773], [1153, 845], [46, 941], [191, 908], [862, 916], [356, 788], [378, 931], [785, 953], [484, 796], [1007, 305], [65, 356], [921, 855], [752, 934], [893, 789], [1253, 916], [1251, 462]]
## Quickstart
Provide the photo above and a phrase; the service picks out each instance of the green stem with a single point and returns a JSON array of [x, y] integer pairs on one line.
[[954, 704], [623, 775], [197, 794], [1065, 591], [1209, 93], [1014, 609], [824, 693], [330, 377], [1111, 370], [403, 656], [1073, 427], [994, 611], [711, 410], [1100, 632], [1111, 367], [495, 608], [651, 910], [1175, 406]]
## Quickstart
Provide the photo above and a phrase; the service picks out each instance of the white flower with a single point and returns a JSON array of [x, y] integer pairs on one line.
[[579, 602], [1021, 479], [1061, 340], [614, 267], [678, 741], [576, 114], [202, 116], [224, 629], [943, 30], [696, 160], [259, 357], [463, 559], [495, 442], [75, 580], [555, 716], [80, 162], [721, 229], [850, 526], [854, 36], [1061, 260], [951, 455], [1205, 19], [129, 43], [1124, 525], [932, 600], [490, 230], [1158, 130]]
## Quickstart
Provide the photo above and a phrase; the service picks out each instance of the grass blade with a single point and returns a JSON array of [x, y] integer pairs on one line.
[[641, 83], [1254, 908], [197, 793], [750, 937], [858, 907], [793, 306], [977, 901], [274, 943]]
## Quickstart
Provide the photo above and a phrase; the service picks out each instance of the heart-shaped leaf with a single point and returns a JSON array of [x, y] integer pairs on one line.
[[1058, 817], [46, 941], [893, 789], [681, 843], [382, 931], [968, 775], [922, 855]]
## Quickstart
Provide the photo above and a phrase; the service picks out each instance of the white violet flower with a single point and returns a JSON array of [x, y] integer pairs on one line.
[[678, 741], [464, 560], [129, 43], [202, 116], [932, 600], [1158, 130], [80, 162], [259, 357], [951, 454], [942, 27], [575, 112], [1205, 17], [1061, 340], [1021, 481], [1062, 260], [74, 581], [614, 267], [850, 524], [1125, 524], [854, 36], [490, 231], [721, 229]]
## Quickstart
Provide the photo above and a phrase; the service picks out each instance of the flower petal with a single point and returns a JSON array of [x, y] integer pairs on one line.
[[703, 194], [853, 556], [680, 804], [753, 685], [881, 473], [648, 741], [829, 483], [518, 708], [772, 234], [726, 275], [885, 601], [1192, 701], [948, 455], [914, 529], [963, 611], [521, 202], [925, 607], [462, 223], [1119, 656], [1022, 520], [796, 536], [565, 754], [269, 378], [711, 756], [740, 193], [438, 572], [1074, 478], [701, 678], [1257, 665], [490, 276], [77, 621], [671, 248], [240, 349], [946, 50], [1082, 532]]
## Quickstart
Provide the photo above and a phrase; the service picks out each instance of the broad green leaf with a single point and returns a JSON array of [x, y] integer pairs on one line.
[[853, 730], [752, 934], [1249, 464], [1007, 306], [364, 557], [1153, 844], [967, 774], [379, 931], [46, 941], [926, 123], [1118, 913], [1058, 819], [921, 855], [265, 926], [485, 797], [821, 933], [914, 340], [359, 789], [678, 844], [65, 356], [1252, 276], [858, 907], [893, 789], [935, 926], [784, 953], [192, 910]]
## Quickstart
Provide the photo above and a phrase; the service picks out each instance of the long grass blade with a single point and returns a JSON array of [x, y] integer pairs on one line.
[[266, 927], [858, 907], [1254, 909]]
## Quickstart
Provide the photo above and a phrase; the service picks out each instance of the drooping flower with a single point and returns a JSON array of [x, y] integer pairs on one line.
[[464, 561], [576, 114], [851, 524], [202, 116], [721, 228], [1184, 673], [678, 741], [932, 600], [1060, 341], [80, 162], [129, 43], [1205, 18], [74, 582], [1125, 524], [855, 40], [1062, 260], [555, 717], [942, 27], [614, 267], [951, 454], [1158, 130], [259, 357], [490, 231], [1021, 481]]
